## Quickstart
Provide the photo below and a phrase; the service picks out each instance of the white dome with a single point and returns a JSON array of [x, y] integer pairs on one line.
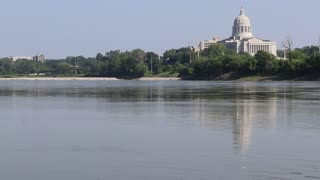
[[242, 26]]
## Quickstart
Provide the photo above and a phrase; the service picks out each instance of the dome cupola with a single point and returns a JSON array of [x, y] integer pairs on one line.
[[242, 27]]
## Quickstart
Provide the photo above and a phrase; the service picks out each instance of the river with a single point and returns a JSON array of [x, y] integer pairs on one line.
[[159, 130]]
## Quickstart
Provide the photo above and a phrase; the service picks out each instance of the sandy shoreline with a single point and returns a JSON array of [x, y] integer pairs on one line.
[[158, 79], [84, 79]]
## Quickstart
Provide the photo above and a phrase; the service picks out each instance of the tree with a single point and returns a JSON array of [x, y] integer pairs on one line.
[[87, 66], [215, 50], [138, 55], [231, 63], [139, 70], [200, 68], [25, 67], [288, 45], [280, 53], [179, 56], [313, 63], [297, 54], [112, 54], [7, 65], [102, 69], [114, 66], [2, 71], [99, 57], [295, 66], [251, 65], [186, 72], [309, 50], [64, 68], [266, 62], [153, 62]]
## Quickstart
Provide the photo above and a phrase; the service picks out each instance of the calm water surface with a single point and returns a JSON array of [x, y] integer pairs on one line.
[[164, 130]]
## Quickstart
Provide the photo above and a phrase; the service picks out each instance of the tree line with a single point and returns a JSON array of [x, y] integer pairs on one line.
[[217, 61], [211, 63]]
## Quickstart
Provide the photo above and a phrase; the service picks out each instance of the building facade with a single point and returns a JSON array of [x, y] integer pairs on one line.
[[16, 58], [242, 39], [39, 58], [207, 43]]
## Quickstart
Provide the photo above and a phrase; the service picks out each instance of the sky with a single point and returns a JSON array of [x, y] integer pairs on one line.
[[61, 28]]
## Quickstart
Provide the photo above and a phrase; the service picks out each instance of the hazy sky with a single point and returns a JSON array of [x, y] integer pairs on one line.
[[60, 28]]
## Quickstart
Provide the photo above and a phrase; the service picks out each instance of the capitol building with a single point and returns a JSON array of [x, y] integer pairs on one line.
[[242, 39]]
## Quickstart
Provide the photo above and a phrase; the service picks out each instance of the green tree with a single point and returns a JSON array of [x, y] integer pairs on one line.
[[25, 67], [297, 54], [7, 65], [138, 55], [103, 69], [200, 68], [64, 68], [153, 62], [295, 66], [140, 70], [179, 56], [99, 57], [215, 50], [309, 50], [266, 62], [250, 65], [313, 63], [2, 71]]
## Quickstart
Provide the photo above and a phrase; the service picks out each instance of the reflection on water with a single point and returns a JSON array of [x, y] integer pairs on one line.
[[242, 125], [159, 130]]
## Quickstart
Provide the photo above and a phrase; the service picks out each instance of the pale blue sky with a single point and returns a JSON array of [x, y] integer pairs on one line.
[[60, 28]]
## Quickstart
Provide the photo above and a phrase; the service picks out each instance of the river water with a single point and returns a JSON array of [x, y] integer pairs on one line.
[[160, 130]]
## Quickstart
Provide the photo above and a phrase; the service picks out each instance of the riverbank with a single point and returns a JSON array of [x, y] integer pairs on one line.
[[85, 79], [279, 78], [233, 76], [224, 77]]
